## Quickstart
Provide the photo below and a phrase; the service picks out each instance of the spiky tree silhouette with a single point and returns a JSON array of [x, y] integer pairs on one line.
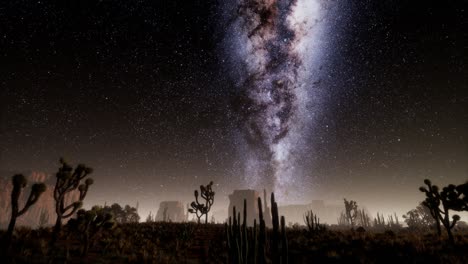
[[202, 208], [68, 180], [351, 211], [20, 182], [441, 202]]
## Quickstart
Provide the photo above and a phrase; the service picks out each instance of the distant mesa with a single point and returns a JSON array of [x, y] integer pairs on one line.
[[172, 211]]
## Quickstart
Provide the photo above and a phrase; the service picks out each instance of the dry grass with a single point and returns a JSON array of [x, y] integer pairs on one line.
[[192, 243]]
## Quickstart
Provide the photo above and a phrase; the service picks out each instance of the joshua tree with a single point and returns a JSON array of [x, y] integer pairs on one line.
[[202, 208], [351, 211], [19, 182], [451, 198], [68, 180], [432, 202]]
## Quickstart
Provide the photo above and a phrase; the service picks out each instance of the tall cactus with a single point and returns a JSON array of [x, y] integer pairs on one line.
[[278, 243], [313, 222], [284, 243], [68, 180], [275, 235], [267, 215], [261, 252], [20, 182], [248, 245], [245, 245]]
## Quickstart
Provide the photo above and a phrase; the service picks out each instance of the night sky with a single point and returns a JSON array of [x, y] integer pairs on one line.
[[160, 97]]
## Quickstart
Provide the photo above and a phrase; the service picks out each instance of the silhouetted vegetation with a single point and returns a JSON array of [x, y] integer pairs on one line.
[[202, 208], [351, 212], [312, 222], [68, 180], [89, 224], [19, 183], [113, 234], [440, 203], [250, 244], [121, 215], [363, 219], [419, 219]]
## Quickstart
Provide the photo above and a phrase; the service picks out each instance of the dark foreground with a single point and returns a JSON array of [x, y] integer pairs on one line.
[[192, 243]]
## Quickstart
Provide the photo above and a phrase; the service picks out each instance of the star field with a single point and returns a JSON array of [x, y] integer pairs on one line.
[[142, 91]]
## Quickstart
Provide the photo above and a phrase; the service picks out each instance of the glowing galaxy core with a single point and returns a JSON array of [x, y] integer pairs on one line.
[[271, 45]]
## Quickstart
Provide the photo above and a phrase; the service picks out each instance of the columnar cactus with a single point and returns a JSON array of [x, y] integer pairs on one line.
[[278, 243], [245, 245], [275, 235], [284, 243], [248, 245], [19, 182], [267, 215], [261, 252], [68, 180], [313, 222]]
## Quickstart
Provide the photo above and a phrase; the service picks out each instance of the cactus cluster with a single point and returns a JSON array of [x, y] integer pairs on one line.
[[313, 223], [249, 244]]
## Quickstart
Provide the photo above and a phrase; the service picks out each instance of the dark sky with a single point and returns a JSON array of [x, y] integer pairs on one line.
[[139, 91]]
